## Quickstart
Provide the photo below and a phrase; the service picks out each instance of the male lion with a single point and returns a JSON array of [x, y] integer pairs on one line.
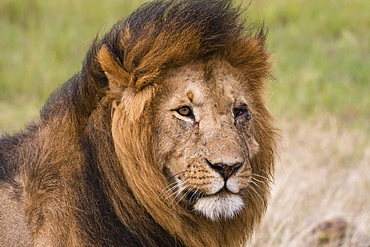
[[162, 139]]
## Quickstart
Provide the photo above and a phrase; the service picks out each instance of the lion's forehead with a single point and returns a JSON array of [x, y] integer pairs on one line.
[[191, 84]]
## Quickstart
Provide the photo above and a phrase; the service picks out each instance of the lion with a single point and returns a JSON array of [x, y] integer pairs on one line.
[[162, 139]]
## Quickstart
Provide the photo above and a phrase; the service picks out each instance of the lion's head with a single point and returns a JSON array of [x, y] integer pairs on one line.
[[190, 127], [205, 138]]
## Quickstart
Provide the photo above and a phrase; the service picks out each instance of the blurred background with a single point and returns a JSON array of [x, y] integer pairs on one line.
[[320, 95]]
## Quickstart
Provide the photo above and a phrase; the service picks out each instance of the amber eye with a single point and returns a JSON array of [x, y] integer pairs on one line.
[[185, 111]]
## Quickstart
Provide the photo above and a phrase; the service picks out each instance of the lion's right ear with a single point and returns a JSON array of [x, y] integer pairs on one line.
[[119, 78]]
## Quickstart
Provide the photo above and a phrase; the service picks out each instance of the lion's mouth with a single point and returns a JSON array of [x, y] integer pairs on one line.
[[192, 196]]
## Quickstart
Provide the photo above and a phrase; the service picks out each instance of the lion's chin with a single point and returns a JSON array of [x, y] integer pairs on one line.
[[220, 206]]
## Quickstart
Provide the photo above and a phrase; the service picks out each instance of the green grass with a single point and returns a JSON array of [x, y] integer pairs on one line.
[[322, 53]]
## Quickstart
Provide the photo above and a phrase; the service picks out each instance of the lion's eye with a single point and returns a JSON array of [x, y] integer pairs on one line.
[[185, 111], [241, 111]]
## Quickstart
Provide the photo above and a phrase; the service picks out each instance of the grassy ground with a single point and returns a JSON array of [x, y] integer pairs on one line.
[[323, 173], [320, 95], [321, 98]]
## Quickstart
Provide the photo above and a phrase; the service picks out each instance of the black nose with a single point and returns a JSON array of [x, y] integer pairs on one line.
[[226, 170]]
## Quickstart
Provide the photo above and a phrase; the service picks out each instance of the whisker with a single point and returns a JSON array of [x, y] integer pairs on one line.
[[176, 190], [253, 182], [183, 196], [170, 195], [264, 177], [257, 180], [173, 189], [255, 174], [252, 193], [255, 191], [194, 195], [177, 200], [249, 193], [170, 187]]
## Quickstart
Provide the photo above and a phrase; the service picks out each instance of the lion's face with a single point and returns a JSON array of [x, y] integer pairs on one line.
[[204, 138]]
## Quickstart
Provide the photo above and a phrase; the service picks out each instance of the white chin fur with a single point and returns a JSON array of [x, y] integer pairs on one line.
[[224, 206]]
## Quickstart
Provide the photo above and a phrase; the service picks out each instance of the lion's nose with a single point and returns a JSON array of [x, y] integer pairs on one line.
[[226, 170]]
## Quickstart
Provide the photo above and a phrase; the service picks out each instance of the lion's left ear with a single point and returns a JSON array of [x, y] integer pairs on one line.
[[119, 78]]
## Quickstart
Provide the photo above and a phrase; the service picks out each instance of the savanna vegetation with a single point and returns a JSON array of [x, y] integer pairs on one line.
[[319, 95]]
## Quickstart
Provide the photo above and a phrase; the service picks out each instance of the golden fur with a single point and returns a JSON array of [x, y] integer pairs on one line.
[[117, 160]]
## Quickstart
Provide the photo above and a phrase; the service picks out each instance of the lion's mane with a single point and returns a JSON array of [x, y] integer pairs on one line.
[[85, 172]]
